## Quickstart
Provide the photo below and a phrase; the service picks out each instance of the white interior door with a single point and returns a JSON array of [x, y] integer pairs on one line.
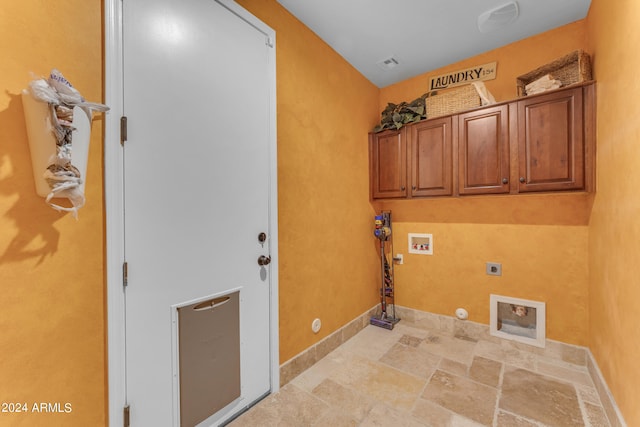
[[197, 169]]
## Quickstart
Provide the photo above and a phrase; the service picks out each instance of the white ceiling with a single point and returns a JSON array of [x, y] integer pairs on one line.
[[422, 35]]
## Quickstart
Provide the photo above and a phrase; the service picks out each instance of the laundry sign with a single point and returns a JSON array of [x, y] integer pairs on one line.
[[469, 75]]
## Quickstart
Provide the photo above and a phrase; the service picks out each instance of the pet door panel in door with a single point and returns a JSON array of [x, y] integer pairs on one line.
[[209, 354]]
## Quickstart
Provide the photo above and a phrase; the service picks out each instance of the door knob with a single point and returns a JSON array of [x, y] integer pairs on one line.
[[505, 181], [264, 260]]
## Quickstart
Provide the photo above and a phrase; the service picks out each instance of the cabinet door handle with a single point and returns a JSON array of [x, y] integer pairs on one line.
[[413, 187], [505, 181], [522, 180], [403, 188]]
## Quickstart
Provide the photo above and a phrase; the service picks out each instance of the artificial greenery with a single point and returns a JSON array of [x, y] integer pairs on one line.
[[397, 115]]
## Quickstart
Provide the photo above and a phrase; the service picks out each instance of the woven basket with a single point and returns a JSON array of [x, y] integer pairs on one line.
[[452, 101], [570, 69]]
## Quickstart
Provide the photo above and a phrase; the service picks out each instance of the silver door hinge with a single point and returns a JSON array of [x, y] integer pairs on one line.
[[123, 129], [269, 41], [125, 274], [126, 416]]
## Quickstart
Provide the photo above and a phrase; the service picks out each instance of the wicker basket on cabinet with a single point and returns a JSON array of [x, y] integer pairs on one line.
[[570, 69]]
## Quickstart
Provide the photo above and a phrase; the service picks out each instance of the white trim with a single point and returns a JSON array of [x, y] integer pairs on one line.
[[114, 211], [540, 327], [114, 208]]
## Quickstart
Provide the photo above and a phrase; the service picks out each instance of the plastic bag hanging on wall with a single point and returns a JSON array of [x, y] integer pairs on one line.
[[58, 122]]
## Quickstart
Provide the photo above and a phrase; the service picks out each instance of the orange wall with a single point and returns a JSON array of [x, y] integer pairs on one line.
[[514, 60], [541, 240], [327, 254], [575, 253], [614, 230], [52, 317]]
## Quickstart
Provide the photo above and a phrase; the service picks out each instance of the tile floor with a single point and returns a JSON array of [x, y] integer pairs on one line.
[[416, 376]]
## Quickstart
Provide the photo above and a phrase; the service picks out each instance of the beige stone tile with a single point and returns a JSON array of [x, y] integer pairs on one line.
[[406, 314], [595, 415], [540, 398], [553, 349], [256, 416], [436, 416], [410, 340], [355, 404], [462, 396], [454, 367], [603, 393], [515, 345], [309, 379], [588, 394], [575, 376], [506, 354], [380, 382], [355, 326], [460, 421], [432, 414], [298, 364], [447, 346], [288, 407], [427, 321], [336, 419], [472, 330], [411, 360], [485, 371], [568, 353], [447, 325], [346, 366], [432, 322], [411, 329], [575, 355], [384, 416], [328, 344], [372, 342], [505, 419], [388, 378]]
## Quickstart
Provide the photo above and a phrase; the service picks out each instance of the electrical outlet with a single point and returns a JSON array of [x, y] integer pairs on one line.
[[494, 269]]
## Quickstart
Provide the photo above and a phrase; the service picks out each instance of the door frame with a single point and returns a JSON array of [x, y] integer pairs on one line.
[[114, 204]]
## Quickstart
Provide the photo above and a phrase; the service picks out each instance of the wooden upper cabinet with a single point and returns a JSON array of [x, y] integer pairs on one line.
[[541, 143], [484, 151], [431, 158], [551, 149], [388, 164]]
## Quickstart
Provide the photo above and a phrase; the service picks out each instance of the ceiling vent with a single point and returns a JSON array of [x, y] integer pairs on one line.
[[389, 63], [497, 18]]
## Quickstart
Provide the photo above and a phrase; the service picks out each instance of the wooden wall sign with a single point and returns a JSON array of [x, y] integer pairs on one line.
[[463, 77]]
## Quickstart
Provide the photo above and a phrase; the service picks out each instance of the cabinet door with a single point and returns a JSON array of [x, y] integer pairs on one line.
[[431, 158], [388, 157], [551, 143], [484, 151]]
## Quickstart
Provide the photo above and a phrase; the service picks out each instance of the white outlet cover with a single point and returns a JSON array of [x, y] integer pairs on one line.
[[316, 325]]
